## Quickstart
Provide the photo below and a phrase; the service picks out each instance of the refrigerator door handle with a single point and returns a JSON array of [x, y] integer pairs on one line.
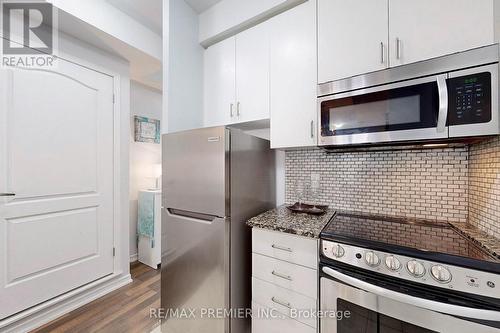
[[193, 216]]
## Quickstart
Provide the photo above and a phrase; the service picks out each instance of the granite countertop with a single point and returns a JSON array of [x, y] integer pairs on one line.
[[284, 220], [489, 243]]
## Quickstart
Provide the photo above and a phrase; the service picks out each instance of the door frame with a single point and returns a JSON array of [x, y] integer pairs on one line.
[[51, 309]]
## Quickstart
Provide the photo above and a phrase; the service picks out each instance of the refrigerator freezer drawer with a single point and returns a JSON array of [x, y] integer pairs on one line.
[[194, 270]]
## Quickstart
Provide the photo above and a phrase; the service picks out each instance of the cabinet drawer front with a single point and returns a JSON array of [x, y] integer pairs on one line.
[[300, 279], [261, 324], [287, 302], [295, 249]]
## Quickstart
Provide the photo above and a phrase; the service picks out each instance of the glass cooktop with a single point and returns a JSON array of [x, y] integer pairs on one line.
[[393, 234]]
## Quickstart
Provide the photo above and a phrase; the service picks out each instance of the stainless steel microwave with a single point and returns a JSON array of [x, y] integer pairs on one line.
[[445, 98]]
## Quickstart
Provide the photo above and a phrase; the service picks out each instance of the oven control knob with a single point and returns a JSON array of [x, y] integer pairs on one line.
[[415, 268], [372, 259], [338, 251], [441, 274], [392, 263]]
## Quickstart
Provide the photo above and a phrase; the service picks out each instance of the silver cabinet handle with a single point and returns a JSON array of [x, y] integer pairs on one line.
[[398, 48], [312, 129], [277, 301], [238, 109], [283, 276], [231, 107], [443, 103], [7, 194], [282, 248], [382, 53]]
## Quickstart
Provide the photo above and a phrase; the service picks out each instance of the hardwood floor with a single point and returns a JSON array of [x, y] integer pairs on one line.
[[122, 311]]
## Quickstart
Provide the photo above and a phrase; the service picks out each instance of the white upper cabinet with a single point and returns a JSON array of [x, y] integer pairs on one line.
[[426, 29], [293, 77], [236, 80], [352, 38], [252, 74], [219, 83], [357, 36]]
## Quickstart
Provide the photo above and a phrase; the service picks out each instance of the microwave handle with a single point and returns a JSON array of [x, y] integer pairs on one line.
[[443, 103], [454, 310]]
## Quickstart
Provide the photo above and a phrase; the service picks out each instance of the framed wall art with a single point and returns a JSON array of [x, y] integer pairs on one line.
[[147, 130]]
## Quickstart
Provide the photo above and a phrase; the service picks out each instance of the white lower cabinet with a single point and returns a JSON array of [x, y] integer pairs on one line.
[[284, 282], [286, 247], [285, 301], [285, 274], [277, 325]]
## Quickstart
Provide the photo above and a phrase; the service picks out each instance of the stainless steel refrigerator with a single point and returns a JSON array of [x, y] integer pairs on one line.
[[214, 180]]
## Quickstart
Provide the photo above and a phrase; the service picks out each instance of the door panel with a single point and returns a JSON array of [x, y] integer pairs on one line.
[[56, 155], [429, 28], [293, 77], [194, 171], [219, 89], [80, 241], [59, 149], [352, 38], [194, 270], [252, 73]]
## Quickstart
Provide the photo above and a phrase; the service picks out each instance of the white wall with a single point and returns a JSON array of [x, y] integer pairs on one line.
[[183, 68], [114, 22], [229, 17], [144, 102]]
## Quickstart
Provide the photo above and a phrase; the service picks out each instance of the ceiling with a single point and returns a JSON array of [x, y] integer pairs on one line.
[[144, 68], [146, 12], [201, 5]]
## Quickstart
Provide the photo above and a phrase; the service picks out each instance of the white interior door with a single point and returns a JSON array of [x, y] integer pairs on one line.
[[56, 156]]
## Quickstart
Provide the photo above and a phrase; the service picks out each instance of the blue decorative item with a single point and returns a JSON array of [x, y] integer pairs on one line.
[[147, 130], [145, 219]]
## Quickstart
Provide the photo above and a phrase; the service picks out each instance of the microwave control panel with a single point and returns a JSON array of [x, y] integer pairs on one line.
[[469, 99]]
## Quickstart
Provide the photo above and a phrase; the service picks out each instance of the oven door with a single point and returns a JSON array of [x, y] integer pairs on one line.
[[411, 110], [363, 307]]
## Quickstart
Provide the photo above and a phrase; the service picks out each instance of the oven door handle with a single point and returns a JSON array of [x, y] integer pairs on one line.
[[450, 309], [443, 103]]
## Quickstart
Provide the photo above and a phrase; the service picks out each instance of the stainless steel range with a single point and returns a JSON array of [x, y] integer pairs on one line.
[[400, 275]]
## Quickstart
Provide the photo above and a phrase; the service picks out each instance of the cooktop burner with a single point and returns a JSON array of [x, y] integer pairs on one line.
[[407, 250], [415, 236]]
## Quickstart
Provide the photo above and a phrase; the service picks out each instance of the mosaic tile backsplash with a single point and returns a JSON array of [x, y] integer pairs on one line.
[[484, 186], [431, 184]]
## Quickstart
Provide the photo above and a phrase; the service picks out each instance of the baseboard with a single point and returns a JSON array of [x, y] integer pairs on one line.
[[134, 257], [42, 314]]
